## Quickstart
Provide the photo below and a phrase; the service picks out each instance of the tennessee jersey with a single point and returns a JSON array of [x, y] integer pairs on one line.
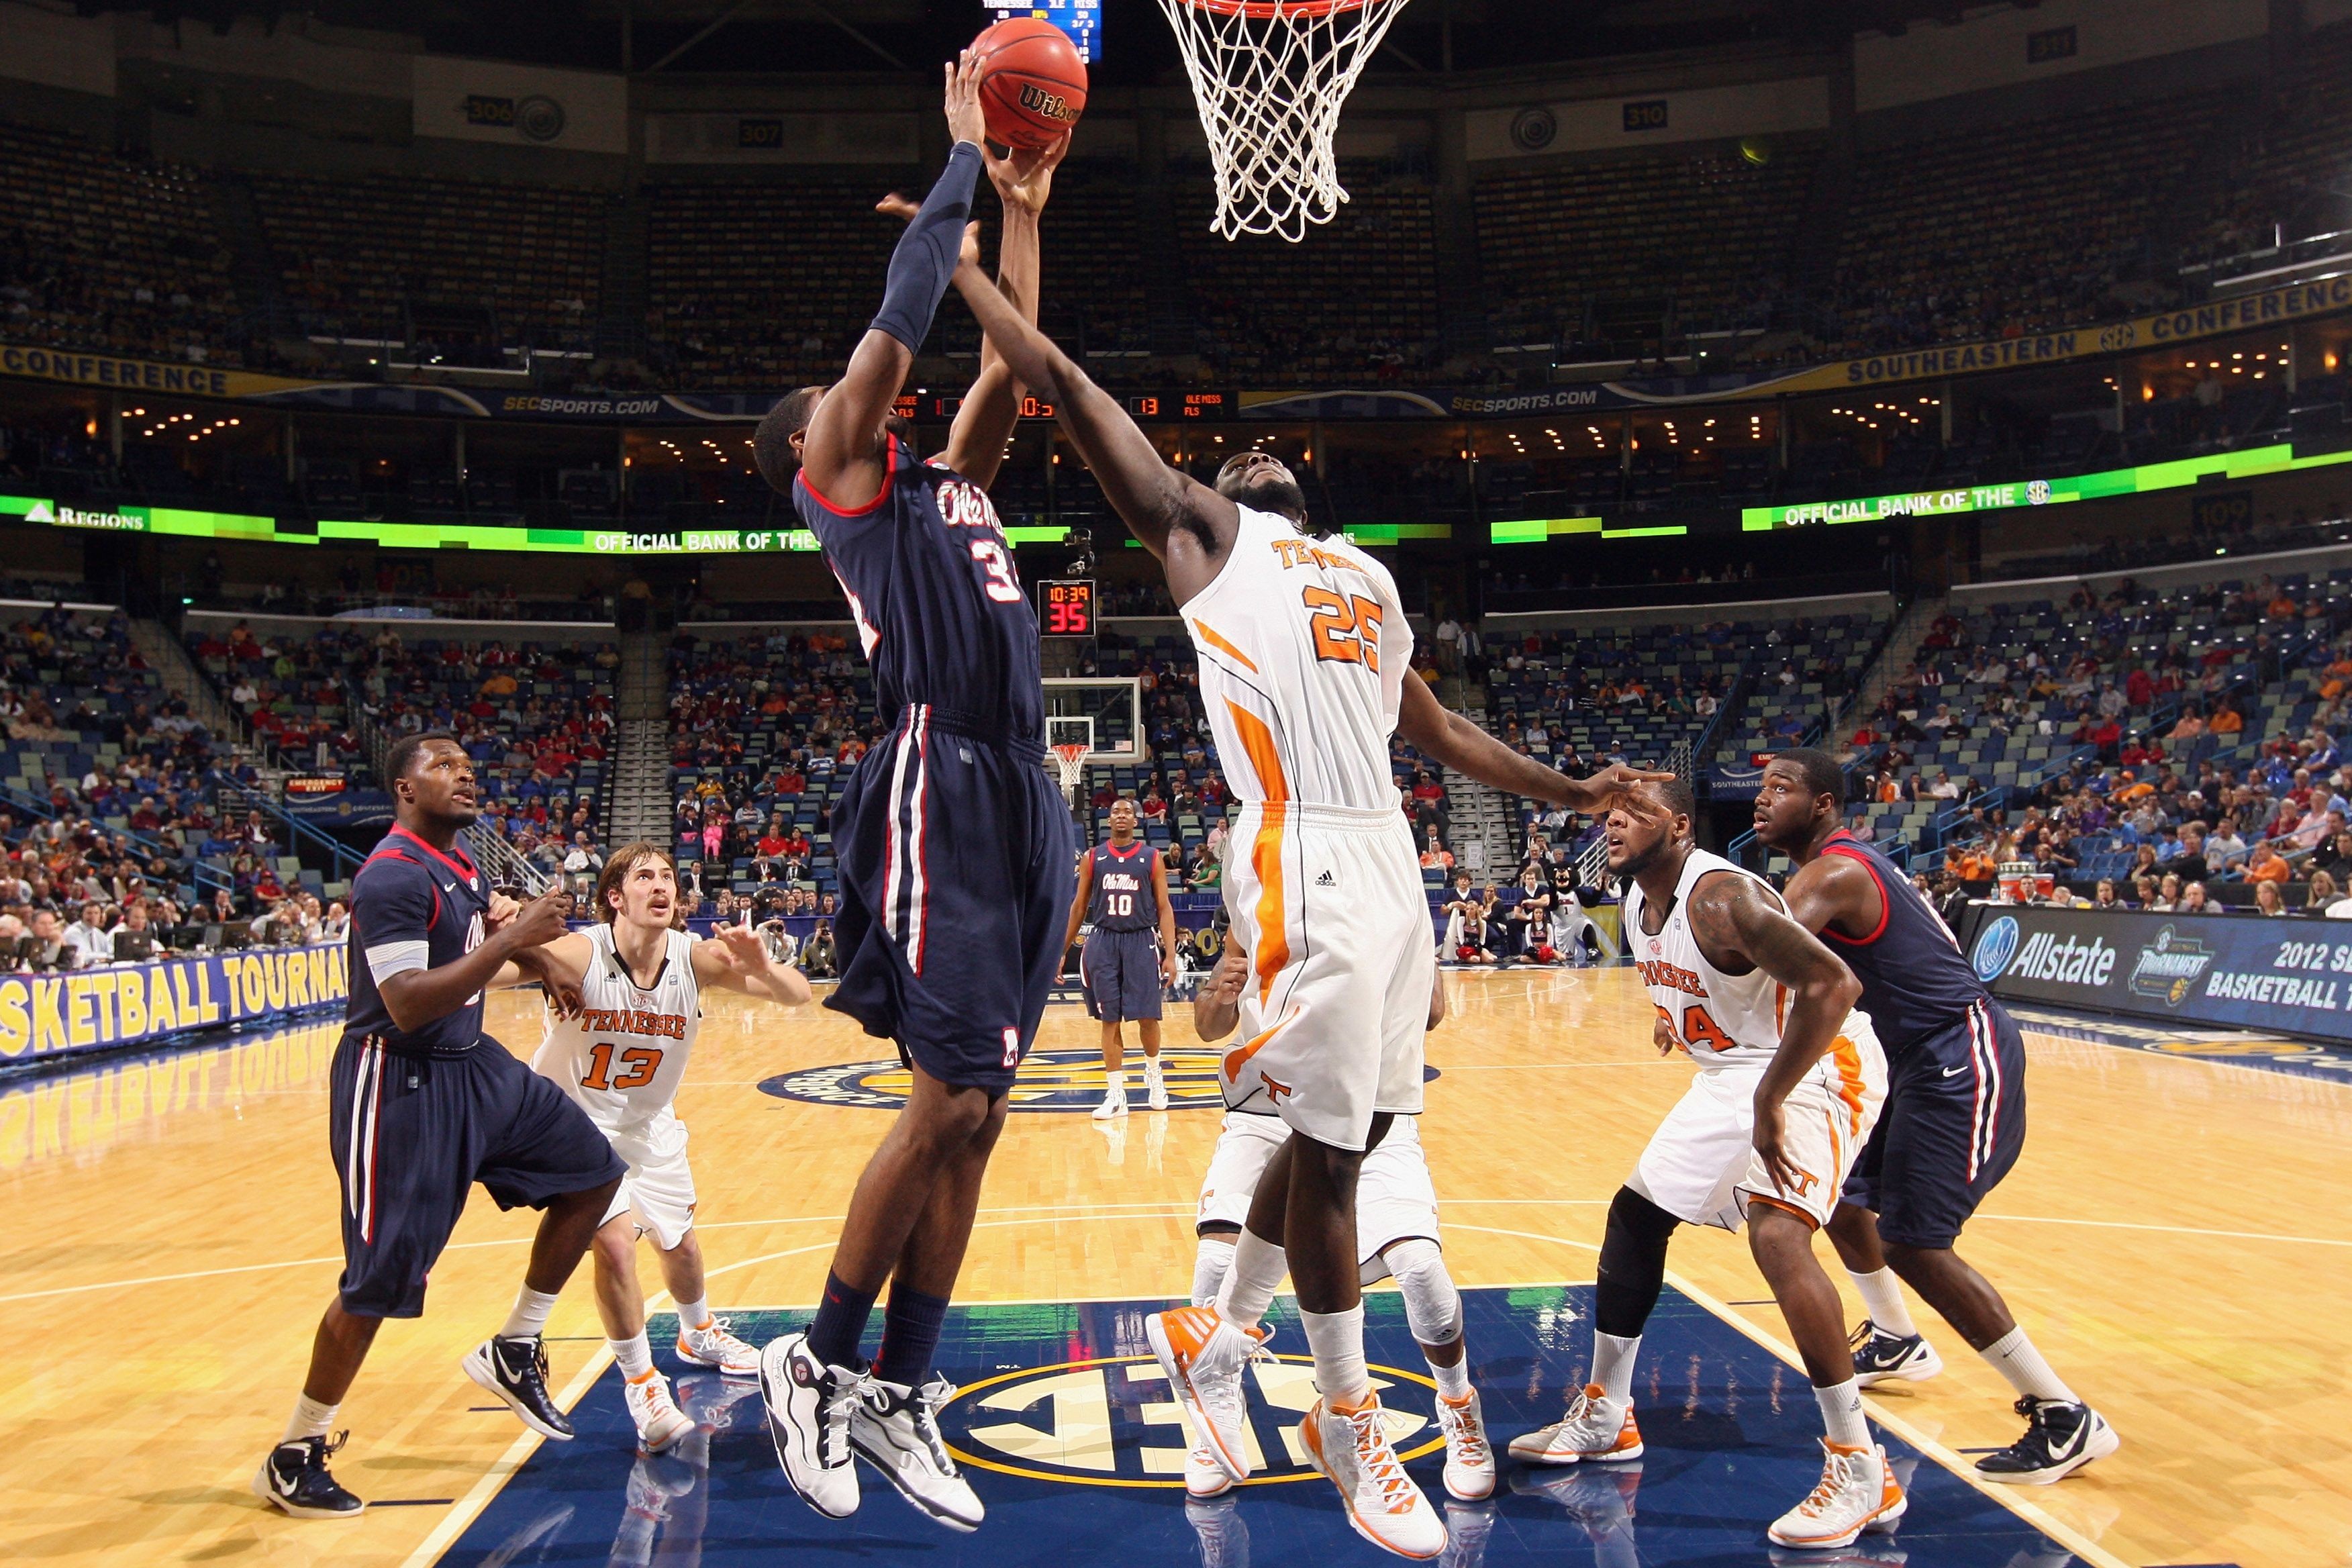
[[624, 1056], [1303, 653]]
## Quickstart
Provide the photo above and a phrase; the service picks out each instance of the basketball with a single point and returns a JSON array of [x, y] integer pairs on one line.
[[1032, 86]]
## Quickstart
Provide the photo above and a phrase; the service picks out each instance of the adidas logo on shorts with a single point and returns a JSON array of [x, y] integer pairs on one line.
[[1327, 881]]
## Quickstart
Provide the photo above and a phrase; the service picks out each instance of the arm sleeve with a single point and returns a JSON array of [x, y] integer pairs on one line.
[[925, 258], [392, 905]]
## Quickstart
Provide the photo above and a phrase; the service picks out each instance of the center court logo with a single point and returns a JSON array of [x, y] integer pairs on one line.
[[1995, 947], [1114, 1421], [2169, 967], [1052, 1078]]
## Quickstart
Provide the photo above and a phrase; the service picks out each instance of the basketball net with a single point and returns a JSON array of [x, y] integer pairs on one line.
[[1270, 78], [1070, 761]]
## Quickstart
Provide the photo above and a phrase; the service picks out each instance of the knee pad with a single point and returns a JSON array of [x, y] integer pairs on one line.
[[1633, 1264], [1433, 1307]]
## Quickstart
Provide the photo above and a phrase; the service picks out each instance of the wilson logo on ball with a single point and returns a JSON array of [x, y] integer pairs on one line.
[[1050, 105]]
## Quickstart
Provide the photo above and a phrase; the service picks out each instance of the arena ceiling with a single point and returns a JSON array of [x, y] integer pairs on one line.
[[891, 36]]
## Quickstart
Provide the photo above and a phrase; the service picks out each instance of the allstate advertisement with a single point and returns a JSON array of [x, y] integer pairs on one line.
[[49, 1016], [2284, 975]]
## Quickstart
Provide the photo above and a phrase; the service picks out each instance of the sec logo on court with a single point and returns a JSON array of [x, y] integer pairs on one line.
[[1052, 1078], [1114, 1422]]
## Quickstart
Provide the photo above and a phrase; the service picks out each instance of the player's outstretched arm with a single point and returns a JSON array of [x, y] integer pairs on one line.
[[992, 407], [416, 997], [1186, 524], [1735, 921], [1455, 742], [839, 453], [735, 958]]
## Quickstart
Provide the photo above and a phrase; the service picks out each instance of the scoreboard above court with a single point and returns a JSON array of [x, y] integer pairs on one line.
[[1081, 20], [1143, 406]]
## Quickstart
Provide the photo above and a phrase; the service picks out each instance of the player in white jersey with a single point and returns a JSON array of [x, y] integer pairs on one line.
[[621, 1054], [1305, 667], [1396, 1232], [1789, 1085]]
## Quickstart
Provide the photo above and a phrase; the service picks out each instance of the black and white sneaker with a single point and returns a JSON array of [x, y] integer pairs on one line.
[[895, 1430], [809, 1413], [294, 1480], [1881, 1357], [516, 1371], [2059, 1438]]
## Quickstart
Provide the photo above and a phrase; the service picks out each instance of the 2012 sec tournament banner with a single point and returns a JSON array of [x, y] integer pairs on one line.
[[50, 1015], [2284, 975]]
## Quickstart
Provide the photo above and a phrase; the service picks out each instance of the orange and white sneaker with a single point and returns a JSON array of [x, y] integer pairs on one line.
[[1469, 1456], [1203, 1356], [658, 1419], [713, 1345], [1204, 1477], [1351, 1447], [1857, 1491], [1595, 1428]]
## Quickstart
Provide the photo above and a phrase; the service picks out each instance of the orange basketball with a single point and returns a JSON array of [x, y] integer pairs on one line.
[[1032, 86]]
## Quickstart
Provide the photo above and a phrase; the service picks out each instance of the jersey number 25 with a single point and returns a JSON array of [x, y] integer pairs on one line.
[[1347, 629]]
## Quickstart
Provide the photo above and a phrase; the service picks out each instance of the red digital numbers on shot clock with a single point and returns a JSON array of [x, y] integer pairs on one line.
[[1066, 608]]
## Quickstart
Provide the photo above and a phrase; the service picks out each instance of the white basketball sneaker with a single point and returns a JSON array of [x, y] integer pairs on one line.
[[660, 1421], [1114, 1103], [1155, 1085], [895, 1430], [809, 1406], [713, 1345], [1595, 1428], [1469, 1456], [1351, 1449], [1203, 1356], [1204, 1477], [1857, 1493]]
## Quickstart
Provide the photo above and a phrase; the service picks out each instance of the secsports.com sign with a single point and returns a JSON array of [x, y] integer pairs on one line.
[[2287, 975]]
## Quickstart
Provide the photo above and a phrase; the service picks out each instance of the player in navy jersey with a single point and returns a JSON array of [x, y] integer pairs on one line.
[[1953, 1125], [423, 1104], [1130, 959], [954, 846]]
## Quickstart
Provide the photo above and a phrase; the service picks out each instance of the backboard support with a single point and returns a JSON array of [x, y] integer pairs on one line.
[[1104, 713]]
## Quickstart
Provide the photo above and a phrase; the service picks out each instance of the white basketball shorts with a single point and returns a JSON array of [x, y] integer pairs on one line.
[[1701, 1164], [1329, 902], [659, 1187], [1394, 1197]]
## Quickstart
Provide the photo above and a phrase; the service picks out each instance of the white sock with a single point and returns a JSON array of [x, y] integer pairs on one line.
[[1612, 1364], [1841, 1413], [1881, 1294], [1337, 1340], [1116, 1078], [1150, 1069], [1453, 1382], [530, 1315], [1257, 1268], [1209, 1266], [693, 1314], [2013, 1356], [311, 1419], [635, 1354]]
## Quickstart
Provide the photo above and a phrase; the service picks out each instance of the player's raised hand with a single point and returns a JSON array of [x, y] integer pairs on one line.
[[542, 921], [1025, 178], [742, 946], [965, 121], [1593, 794]]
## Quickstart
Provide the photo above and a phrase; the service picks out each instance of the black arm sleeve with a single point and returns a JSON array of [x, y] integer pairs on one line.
[[926, 257]]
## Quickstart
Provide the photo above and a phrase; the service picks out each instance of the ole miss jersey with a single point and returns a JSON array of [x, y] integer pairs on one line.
[[940, 609], [414, 907], [1915, 979], [1122, 897]]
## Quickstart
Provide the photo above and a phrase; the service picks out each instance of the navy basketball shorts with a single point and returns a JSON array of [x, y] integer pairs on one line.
[[957, 858], [1121, 972], [1953, 1125], [411, 1137]]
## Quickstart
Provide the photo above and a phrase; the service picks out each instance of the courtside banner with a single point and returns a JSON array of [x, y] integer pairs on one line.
[[43, 1017], [2287, 975]]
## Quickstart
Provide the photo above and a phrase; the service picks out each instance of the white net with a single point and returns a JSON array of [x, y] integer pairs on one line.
[[1270, 78]]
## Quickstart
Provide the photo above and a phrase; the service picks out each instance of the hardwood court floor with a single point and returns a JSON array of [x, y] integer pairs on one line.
[[2178, 1239]]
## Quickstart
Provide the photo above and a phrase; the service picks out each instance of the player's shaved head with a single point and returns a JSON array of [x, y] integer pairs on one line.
[[1640, 830], [771, 443], [1263, 483], [1818, 769]]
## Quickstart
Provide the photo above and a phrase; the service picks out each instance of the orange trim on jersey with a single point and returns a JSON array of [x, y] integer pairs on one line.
[[1273, 955], [1209, 636], [1238, 1058], [1265, 756]]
